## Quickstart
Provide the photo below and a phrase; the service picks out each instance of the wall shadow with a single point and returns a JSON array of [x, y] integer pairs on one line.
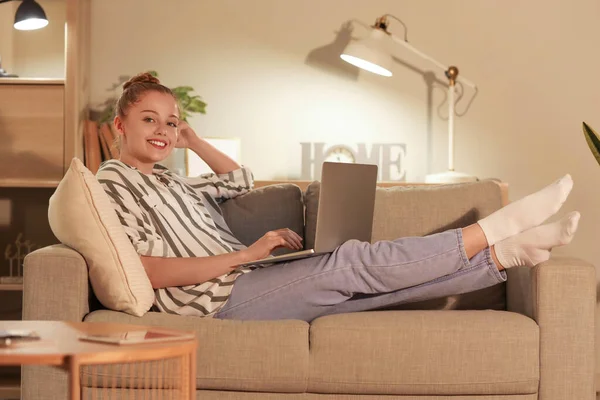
[[327, 58], [98, 111], [25, 165]]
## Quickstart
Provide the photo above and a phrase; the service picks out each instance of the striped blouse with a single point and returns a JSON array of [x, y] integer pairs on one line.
[[166, 215]]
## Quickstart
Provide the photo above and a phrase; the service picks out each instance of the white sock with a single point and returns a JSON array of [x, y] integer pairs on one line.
[[526, 213], [533, 246]]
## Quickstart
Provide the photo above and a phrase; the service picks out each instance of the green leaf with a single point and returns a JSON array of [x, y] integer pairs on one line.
[[183, 103], [593, 141], [184, 116], [107, 114], [182, 90], [196, 105]]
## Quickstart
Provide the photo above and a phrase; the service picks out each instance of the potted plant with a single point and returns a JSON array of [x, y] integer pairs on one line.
[[188, 102]]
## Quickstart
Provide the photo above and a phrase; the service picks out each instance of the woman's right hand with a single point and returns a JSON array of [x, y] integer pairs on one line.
[[271, 241]]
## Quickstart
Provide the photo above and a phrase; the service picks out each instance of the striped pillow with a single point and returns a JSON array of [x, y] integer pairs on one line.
[[82, 217]]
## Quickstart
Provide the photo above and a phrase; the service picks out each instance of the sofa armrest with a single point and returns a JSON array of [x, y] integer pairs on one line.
[[560, 295], [55, 285]]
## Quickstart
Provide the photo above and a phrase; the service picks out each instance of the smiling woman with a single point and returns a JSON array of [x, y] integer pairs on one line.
[[146, 122], [193, 259]]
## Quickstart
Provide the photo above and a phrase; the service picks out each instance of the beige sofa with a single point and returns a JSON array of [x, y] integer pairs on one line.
[[531, 338]]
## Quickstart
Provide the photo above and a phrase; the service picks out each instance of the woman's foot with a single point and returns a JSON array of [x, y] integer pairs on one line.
[[533, 246], [526, 213]]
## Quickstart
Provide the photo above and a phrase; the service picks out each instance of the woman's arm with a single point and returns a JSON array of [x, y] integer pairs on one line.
[[175, 271], [228, 179], [218, 161]]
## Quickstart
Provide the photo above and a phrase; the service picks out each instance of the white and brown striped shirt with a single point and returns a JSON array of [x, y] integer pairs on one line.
[[166, 215]]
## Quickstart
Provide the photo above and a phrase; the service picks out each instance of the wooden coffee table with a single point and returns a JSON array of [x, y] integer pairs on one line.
[[60, 346]]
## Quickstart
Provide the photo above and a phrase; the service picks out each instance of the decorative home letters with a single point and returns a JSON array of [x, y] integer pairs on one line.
[[389, 157]]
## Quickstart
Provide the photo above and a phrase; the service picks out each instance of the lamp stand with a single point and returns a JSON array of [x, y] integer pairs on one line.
[[450, 176], [373, 55]]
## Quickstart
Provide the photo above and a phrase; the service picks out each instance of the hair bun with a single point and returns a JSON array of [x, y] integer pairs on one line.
[[144, 77]]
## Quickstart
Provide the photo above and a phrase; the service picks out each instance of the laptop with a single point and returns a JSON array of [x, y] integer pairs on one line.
[[345, 212]]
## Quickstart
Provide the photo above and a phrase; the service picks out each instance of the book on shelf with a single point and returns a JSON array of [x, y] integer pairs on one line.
[[104, 146], [99, 144], [91, 143], [109, 136]]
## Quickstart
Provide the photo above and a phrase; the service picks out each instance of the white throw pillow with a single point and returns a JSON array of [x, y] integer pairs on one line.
[[83, 218]]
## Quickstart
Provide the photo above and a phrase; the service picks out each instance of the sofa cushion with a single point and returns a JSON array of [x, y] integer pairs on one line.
[[82, 217], [265, 209], [268, 356], [422, 210], [425, 353]]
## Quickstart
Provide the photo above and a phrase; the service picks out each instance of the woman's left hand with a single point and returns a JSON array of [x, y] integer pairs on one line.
[[186, 135]]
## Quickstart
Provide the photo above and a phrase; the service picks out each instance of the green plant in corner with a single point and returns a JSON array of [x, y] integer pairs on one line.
[[189, 103], [593, 141]]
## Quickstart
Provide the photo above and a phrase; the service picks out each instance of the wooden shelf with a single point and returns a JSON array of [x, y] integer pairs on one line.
[[18, 183], [31, 81], [10, 388], [11, 287]]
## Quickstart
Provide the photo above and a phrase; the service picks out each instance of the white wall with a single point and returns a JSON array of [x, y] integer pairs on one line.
[[535, 63], [38, 53]]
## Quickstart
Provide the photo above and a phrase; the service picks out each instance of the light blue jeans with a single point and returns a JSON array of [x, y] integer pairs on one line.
[[360, 276]]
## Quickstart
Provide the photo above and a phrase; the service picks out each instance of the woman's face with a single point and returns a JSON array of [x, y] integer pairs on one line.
[[149, 130]]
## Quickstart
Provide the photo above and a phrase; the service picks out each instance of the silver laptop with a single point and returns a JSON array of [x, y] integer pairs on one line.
[[346, 205]]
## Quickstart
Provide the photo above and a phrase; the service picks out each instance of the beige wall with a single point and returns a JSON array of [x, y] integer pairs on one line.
[[7, 17], [535, 63], [38, 53]]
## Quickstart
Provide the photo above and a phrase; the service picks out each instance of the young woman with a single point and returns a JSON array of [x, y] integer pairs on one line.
[[192, 258]]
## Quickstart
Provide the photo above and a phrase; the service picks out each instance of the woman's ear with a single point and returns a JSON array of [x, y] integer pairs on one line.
[[118, 122]]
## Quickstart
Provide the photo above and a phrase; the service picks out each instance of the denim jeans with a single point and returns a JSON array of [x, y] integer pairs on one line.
[[360, 276]]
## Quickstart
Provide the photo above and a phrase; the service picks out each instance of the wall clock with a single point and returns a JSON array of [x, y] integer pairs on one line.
[[340, 153]]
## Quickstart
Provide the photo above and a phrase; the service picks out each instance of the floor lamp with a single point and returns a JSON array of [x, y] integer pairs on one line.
[[373, 54]]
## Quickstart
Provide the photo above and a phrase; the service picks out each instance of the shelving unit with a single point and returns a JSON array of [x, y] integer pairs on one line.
[[32, 81], [10, 387], [10, 287], [10, 377], [32, 117], [42, 124], [22, 183], [44, 117]]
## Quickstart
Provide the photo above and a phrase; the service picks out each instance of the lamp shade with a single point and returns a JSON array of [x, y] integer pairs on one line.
[[29, 16], [371, 54]]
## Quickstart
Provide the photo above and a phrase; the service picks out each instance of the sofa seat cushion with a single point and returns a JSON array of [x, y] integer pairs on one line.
[[267, 356], [425, 353]]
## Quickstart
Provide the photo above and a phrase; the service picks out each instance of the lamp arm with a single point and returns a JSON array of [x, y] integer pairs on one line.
[[430, 59], [5, 1]]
